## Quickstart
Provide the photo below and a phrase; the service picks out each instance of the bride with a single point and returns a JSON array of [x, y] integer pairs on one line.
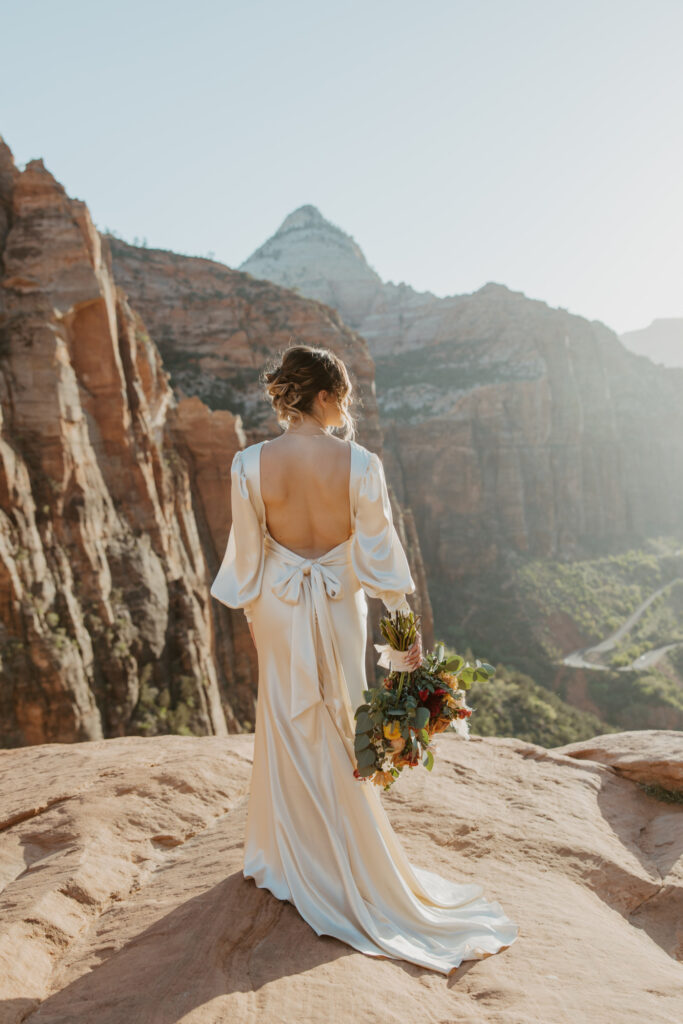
[[312, 534]]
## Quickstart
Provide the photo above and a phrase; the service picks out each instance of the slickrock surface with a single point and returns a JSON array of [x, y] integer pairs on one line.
[[651, 756], [123, 900]]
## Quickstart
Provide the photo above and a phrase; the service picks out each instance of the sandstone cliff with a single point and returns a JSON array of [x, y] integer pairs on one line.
[[114, 490], [124, 899], [106, 622]]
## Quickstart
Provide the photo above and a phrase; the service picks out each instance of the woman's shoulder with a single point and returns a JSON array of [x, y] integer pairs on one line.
[[249, 450], [362, 456], [365, 455], [245, 459], [361, 449], [366, 468]]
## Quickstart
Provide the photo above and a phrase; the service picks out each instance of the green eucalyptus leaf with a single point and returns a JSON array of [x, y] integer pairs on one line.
[[363, 722], [421, 717], [366, 757], [429, 761]]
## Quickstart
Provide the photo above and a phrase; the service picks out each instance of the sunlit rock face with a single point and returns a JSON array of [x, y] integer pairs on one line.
[[105, 617], [115, 489]]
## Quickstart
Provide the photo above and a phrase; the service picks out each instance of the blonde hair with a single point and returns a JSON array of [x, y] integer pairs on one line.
[[293, 382]]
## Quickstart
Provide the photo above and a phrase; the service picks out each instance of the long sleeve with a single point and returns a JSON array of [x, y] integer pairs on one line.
[[239, 578], [377, 555]]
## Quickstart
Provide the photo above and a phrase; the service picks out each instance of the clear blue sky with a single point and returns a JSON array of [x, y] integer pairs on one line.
[[536, 143]]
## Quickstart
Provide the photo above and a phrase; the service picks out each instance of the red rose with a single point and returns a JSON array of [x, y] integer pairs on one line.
[[356, 773], [439, 690], [423, 694], [435, 704]]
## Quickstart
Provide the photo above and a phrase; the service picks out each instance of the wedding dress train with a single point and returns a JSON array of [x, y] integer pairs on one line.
[[315, 835]]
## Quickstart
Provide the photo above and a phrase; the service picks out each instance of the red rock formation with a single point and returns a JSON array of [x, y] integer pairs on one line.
[[114, 496], [106, 621], [207, 441], [216, 328]]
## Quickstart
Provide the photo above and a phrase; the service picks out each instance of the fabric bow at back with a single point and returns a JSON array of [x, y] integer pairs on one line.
[[316, 671], [291, 579]]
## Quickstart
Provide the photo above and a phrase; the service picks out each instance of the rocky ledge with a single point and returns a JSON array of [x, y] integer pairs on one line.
[[123, 898]]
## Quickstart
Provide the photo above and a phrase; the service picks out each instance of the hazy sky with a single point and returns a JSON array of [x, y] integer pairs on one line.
[[536, 143]]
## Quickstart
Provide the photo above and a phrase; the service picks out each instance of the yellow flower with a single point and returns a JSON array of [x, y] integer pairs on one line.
[[392, 730]]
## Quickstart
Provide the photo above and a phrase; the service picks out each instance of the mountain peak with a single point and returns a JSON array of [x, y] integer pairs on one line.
[[307, 216], [304, 218]]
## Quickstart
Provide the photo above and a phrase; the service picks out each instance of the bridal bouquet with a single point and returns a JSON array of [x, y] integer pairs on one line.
[[395, 728]]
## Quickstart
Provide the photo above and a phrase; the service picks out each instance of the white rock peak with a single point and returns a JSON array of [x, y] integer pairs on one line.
[[307, 216]]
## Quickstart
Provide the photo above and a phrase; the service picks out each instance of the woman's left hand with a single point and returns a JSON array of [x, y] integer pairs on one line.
[[415, 653]]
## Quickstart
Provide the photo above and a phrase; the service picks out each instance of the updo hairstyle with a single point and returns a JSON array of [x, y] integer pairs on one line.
[[293, 382]]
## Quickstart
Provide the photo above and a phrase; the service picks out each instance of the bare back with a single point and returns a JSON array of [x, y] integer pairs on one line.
[[305, 491]]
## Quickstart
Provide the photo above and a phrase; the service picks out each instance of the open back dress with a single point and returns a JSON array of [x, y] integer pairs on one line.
[[315, 834]]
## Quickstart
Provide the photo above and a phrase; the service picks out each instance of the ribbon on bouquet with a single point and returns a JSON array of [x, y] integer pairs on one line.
[[395, 661]]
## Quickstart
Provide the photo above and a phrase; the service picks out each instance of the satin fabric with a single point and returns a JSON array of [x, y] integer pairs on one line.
[[315, 835], [377, 555]]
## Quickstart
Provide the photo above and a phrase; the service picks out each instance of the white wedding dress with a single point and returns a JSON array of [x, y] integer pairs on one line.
[[316, 835]]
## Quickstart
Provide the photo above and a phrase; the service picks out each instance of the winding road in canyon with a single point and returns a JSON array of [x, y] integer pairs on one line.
[[582, 658]]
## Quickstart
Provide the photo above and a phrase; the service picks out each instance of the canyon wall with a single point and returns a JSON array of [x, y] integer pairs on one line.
[[510, 427], [106, 622], [114, 488]]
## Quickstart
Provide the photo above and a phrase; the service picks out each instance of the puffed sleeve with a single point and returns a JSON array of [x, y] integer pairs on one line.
[[239, 578], [377, 555]]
